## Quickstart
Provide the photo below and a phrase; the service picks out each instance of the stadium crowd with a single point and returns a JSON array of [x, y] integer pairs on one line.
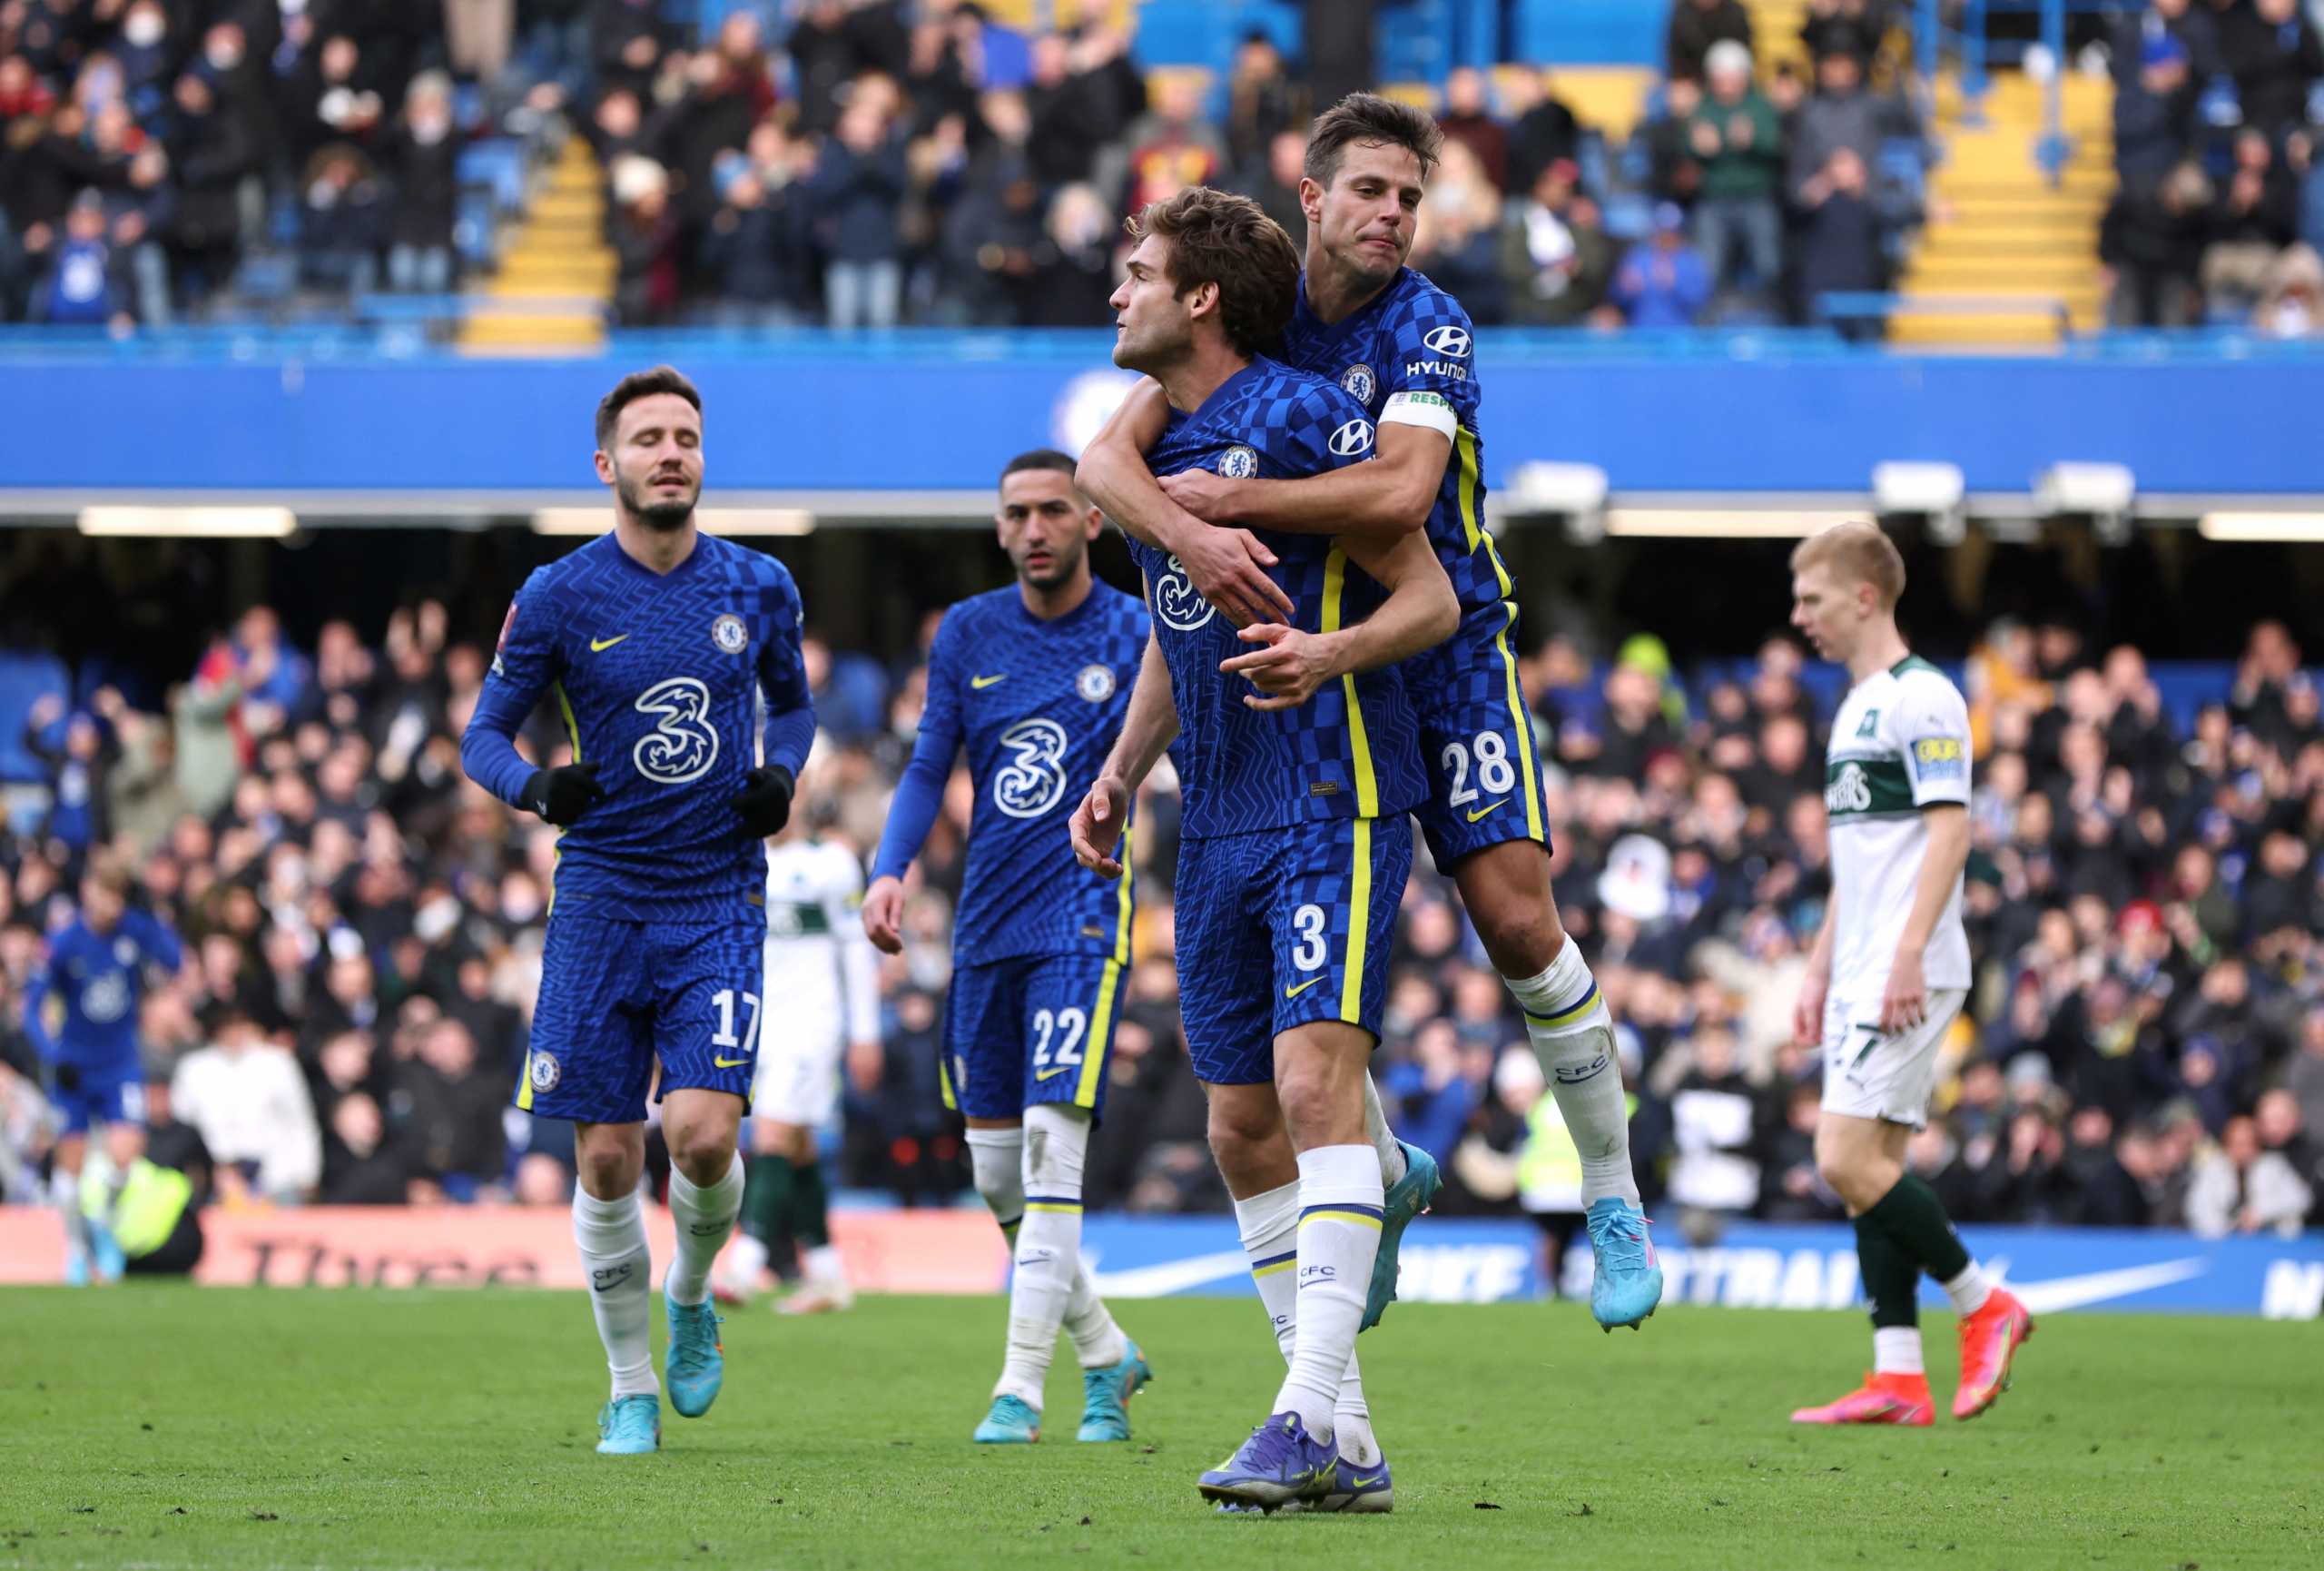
[[362, 930], [2219, 210], [882, 161]]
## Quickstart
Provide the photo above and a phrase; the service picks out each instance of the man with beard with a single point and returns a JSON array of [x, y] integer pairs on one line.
[[1034, 679], [657, 640]]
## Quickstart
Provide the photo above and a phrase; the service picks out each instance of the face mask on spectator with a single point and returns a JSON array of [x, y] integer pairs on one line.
[[223, 56], [428, 130], [145, 28]]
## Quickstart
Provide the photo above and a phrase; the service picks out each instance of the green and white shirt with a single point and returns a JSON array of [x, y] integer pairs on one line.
[[1900, 744]]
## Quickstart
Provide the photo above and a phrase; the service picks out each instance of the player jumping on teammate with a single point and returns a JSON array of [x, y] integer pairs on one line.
[[1404, 349], [657, 641], [1889, 972], [1033, 679], [1298, 761]]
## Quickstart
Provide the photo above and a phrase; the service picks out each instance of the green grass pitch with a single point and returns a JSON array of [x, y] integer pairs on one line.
[[170, 1427]]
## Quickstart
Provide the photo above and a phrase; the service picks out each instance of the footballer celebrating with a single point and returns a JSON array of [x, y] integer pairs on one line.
[[1032, 680], [1405, 349], [1298, 761], [657, 641]]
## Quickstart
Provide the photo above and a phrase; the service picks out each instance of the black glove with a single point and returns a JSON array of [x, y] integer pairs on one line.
[[764, 801], [561, 795]]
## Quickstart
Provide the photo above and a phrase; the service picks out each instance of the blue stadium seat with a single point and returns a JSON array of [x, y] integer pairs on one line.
[[1589, 32]]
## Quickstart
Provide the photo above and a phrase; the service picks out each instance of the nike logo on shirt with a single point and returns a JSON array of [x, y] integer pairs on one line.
[[1295, 992], [1481, 812], [981, 683], [599, 645]]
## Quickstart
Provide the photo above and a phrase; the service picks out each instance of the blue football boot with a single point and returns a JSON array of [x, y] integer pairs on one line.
[[1010, 1423], [1105, 1393], [630, 1426], [1353, 1489], [695, 1365], [1626, 1281], [1280, 1463], [1405, 1200]]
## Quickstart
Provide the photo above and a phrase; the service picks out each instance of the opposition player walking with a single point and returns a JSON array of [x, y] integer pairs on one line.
[[1889, 972]]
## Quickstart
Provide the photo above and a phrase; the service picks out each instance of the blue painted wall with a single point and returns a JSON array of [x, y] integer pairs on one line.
[[932, 416]]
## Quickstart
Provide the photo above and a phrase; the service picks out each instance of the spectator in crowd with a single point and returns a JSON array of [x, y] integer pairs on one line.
[[2155, 112], [1468, 119], [858, 181], [1695, 27], [2192, 25], [2254, 215], [2150, 251], [1853, 28], [1543, 129], [1734, 135], [2240, 1187], [245, 1097], [1556, 261], [427, 191], [1839, 238], [2271, 49], [1663, 282]]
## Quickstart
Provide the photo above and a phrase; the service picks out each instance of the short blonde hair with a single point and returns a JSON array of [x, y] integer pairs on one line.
[[1857, 553]]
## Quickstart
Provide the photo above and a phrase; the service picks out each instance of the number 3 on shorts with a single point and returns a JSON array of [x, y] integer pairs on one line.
[[1495, 772], [1310, 953]]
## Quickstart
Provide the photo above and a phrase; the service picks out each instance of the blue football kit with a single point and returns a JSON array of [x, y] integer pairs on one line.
[[1296, 842], [657, 914], [99, 978], [1039, 944], [1408, 356]]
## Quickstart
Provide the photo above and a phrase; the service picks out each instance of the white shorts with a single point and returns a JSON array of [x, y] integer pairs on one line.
[[1872, 1073], [798, 1079]]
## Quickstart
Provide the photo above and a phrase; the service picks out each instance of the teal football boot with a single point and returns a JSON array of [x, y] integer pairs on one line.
[[1010, 1423], [1626, 1281], [630, 1426], [1106, 1393], [695, 1365], [1405, 1200]]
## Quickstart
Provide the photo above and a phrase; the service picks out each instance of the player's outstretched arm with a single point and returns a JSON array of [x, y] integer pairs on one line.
[[1150, 725], [1291, 665], [1227, 566], [1383, 499]]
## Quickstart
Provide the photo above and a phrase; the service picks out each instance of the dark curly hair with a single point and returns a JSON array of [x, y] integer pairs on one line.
[[1216, 237]]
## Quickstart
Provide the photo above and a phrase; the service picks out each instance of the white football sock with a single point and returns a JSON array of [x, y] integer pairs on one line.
[[64, 1194], [611, 1238], [996, 1158], [1393, 1160], [1269, 1224], [1049, 1247], [1897, 1350], [1969, 1290], [705, 1218], [1339, 1235], [1573, 1036]]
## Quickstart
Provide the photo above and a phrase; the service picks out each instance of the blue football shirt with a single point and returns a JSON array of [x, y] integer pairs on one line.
[[1352, 750], [656, 677], [1408, 355], [1037, 705]]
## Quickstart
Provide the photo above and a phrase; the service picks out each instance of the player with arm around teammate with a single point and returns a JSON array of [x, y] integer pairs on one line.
[[1404, 349], [1297, 765], [656, 641], [1889, 974], [1032, 680]]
